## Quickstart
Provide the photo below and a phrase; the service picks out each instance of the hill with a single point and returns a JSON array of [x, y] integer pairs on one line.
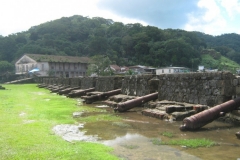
[[129, 44], [222, 63]]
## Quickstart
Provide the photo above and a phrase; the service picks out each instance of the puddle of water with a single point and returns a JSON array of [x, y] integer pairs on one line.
[[72, 133], [135, 147], [102, 106], [130, 138]]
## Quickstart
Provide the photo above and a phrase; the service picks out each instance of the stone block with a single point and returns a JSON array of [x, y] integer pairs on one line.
[[237, 88], [235, 82]]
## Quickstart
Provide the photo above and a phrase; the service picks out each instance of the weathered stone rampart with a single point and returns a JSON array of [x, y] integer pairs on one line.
[[104, 84], [199, 88], [75, 82], [88, 82], [136, 85]]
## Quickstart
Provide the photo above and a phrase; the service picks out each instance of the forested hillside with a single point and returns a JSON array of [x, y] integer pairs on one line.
[[128, 44]]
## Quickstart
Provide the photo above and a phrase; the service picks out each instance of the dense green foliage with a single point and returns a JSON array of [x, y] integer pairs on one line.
[[129, 44], [228, 45], [5, 67]]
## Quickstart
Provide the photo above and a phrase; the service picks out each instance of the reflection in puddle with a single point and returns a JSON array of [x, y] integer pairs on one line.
[[131, 137], [102, 106], [135, 146]]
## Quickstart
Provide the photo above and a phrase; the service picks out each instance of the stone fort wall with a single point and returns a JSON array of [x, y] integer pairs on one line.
[[198, 88]]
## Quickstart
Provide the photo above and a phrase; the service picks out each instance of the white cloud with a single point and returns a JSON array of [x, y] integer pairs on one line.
[[232, 7], [20, 15], [213, 17], [211, 21]]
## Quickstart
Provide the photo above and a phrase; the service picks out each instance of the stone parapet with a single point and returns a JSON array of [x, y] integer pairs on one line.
[[198, 88]]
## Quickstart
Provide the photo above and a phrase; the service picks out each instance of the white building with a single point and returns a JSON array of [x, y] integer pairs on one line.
[[139, 69], [171, 70], [52, 65]]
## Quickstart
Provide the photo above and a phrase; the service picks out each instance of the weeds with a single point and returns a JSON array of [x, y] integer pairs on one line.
[[191, 143], [167, 134]]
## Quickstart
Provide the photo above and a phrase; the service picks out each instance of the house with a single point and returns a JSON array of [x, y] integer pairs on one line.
[[52, 65], [138, 69], [123, 69], [170, 70], [115, 68]]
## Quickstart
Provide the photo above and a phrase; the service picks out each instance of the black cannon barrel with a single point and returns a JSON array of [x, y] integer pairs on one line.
[[59, 88], [54, 86], [202, 118], [102, 96], [124, 106], [67, 90], [1, 87], [81, 92], [42, 85]]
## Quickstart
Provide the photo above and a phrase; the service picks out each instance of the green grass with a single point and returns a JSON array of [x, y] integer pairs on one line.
[[167, 134], [191, 143], [222, 64], [27, 116]]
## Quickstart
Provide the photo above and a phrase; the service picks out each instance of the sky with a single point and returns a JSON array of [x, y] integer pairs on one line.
[[214, 17]]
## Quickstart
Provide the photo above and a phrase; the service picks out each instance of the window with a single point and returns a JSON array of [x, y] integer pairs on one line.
[[42, 67], [163, 71], [69, 66], [75, 66], [169, 70]]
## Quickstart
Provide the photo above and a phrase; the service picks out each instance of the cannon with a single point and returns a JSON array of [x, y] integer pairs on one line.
[[54, 86], [67, 90], [57, 89], [101, 96], [124, 106], [43, 85], [2, 88], [200, 119], [81, 92]]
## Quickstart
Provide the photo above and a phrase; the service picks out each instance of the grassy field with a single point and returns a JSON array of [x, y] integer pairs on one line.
[[222, 64], [27, 116]]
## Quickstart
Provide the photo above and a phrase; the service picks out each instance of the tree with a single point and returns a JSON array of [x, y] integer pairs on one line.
[[5, 67], [99, 66]]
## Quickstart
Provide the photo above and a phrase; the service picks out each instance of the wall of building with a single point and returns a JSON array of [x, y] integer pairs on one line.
[[67, 69], [56, 69]]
